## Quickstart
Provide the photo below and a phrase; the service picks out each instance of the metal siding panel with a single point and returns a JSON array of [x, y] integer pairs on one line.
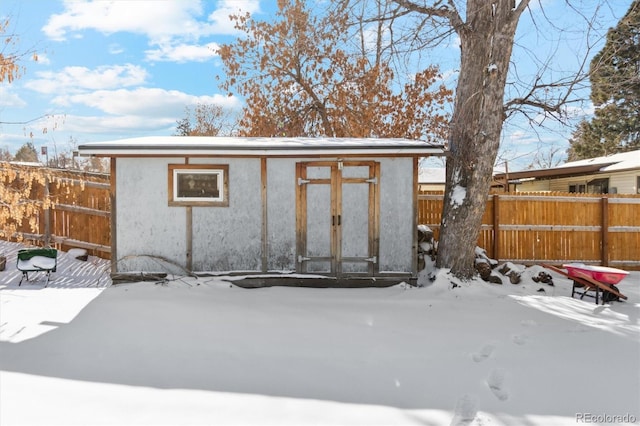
[[146, 225], [396, 204], [229, 238], [281, 214]]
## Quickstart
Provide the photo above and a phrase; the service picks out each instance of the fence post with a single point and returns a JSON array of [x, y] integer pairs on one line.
[[113, 216], [604, 231], [496, 227], [47, 213]]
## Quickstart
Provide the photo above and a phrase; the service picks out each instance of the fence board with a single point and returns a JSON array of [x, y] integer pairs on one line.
[[80, 215], [553, 227]]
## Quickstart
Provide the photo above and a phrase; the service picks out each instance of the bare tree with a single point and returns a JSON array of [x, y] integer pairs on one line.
[[547, 158], [486, 40], [490, 89], [304, 73], [10, 57], [206, 120]]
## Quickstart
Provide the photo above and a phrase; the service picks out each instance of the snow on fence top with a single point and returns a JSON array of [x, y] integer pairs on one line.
[[258, 146]]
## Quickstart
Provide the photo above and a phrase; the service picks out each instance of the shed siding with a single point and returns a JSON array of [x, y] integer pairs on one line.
[[147, 229], [281, 214], [396, 213], [229, 238]]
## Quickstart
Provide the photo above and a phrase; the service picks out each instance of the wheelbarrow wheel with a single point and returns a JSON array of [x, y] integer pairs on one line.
[[610, 297]]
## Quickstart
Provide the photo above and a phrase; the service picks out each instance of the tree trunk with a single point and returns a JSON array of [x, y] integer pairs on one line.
[[486, 41]]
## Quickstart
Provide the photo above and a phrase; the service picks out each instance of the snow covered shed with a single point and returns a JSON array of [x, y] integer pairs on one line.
[[323, 211]]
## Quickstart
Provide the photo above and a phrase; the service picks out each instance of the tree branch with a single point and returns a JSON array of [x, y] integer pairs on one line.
[[540, 95], [447, 11], [26, 122]]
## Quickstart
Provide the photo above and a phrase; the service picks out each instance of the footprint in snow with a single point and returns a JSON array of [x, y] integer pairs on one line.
[[520, 339], [484, 353], [496, 382], [465, 411]]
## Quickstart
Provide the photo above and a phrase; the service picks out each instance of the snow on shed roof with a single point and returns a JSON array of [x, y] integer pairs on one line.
[[245, 146]]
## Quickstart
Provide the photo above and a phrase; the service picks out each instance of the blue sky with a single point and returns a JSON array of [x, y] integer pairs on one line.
[[127, 68]]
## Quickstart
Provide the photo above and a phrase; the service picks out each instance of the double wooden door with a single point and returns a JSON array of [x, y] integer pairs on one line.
[[337, 217]]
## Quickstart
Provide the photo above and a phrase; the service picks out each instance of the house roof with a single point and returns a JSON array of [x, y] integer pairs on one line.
[[621, 161], [257, 147], [610, 163]]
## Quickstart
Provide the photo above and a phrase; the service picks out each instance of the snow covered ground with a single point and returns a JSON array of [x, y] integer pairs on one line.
[[203, 351]]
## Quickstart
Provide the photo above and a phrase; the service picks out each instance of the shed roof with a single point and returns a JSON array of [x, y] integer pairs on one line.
[[257, 147]]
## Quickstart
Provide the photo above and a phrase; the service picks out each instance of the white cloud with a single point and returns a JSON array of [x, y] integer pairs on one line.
[[116, 124], [142, 109], [449, 76], [153, 18], [42, 59], [76, 79], [157, 19], [220, 17], [520, 138], [10, 99], [454, 42], [580, 112], [145, 102], [369, 35], [183, 53], [115, 49]]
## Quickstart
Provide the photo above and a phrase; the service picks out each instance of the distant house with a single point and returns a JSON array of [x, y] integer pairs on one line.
[[612, 174], [342, 209], [435, 179]]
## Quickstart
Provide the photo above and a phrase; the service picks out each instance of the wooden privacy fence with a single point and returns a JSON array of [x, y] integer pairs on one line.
[[78, 215], [519, 227], [553, 227]]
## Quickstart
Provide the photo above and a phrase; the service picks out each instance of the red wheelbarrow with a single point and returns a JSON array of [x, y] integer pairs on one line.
[[591, 278]]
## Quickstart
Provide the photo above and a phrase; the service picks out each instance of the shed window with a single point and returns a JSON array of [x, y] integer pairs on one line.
[[198, 185]]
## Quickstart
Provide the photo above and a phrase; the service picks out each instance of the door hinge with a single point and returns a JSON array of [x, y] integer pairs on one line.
[[302, 258], [372, 180], [373, 259], [303, 181]]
